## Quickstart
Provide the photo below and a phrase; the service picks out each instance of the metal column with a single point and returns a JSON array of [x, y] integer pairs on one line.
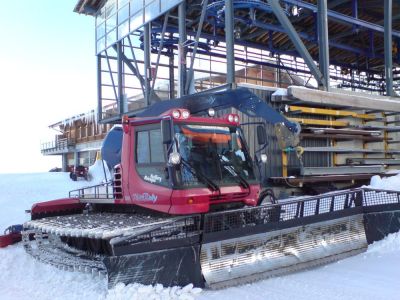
[[99, 94], [323, 41], [294, 37], [147, 62], [182, 49], [120, 74], [230, 42], [171, 76], [388, 47], [190, 72]]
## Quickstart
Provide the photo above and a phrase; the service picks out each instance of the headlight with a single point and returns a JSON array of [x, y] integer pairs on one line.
[[174, 158], [211, 112], [185, 114], [264, 158], [176, 114]]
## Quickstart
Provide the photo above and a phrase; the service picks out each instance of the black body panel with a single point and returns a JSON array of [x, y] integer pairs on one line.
[[169, 267]]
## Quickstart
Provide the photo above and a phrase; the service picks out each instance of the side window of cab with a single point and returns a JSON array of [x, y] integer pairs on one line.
[[150, 155]]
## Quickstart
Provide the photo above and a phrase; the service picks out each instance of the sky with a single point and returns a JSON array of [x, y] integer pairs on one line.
[[47, 74]]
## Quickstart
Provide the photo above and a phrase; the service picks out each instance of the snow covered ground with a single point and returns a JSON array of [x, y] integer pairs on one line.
[[371, 275], [385, 183]]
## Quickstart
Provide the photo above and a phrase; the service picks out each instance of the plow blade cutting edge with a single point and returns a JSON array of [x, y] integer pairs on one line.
[[231, 247]]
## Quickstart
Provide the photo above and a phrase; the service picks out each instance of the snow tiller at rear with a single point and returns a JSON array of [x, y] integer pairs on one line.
[[184, 204]]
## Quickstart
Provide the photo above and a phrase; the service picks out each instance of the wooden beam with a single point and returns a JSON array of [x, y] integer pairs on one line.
[[330, 112], [320, 122]]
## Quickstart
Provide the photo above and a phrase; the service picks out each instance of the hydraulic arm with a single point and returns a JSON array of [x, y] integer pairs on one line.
[[241, 99]]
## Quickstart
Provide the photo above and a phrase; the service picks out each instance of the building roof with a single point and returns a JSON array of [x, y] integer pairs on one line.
[[88, 7], [90, 116]]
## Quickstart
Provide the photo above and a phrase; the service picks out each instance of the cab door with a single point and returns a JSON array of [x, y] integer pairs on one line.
[[149, 185]]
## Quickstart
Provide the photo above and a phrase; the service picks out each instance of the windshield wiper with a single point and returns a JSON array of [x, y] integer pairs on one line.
[[231, 169], [211, 184]]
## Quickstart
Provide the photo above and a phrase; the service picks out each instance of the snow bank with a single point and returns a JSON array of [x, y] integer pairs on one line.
[[138, 292], [280, 92], [390, 244], [19, 191], [385, 183], [96, 172]]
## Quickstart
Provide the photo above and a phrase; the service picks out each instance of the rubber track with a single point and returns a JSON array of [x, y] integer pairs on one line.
[[50, 250]]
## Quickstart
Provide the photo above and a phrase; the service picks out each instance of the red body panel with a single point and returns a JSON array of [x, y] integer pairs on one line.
[[198, 200], [137, 191], [9, 239], [56, 206]]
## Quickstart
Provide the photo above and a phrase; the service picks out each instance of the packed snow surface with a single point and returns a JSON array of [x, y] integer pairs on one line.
[[99, 173], [371, 275]]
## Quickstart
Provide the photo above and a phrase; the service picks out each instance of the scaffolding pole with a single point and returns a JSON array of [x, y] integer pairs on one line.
[[230, 42], [120, 75], [182, 51], [99, 92], [323, 41], [388, 47], [147, 62]]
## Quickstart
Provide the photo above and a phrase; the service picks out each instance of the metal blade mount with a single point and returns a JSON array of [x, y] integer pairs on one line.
[[263, 255]]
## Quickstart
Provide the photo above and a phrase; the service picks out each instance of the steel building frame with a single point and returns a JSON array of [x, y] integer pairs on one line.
[[194, 29]]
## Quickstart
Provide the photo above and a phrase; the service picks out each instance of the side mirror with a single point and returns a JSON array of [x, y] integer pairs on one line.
[[166, 131], [261, 135]]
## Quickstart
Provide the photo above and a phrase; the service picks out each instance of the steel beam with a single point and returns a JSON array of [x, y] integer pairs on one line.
[[334, 3], [341, 17], [291, 32], [134, 69], [196, 44], [182, 51], [111, 76], [120, 76], [230, 42], [303, 35], [323, 41], [171, 76], [147, 62], [99, 89], [316, 171], [388, 47], [161, 46]]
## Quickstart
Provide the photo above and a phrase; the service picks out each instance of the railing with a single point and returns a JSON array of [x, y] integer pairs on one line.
[[300, 208], [96, 192], [57, 145]]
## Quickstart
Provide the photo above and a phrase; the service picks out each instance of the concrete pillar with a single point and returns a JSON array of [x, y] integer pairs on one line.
[[64, 163], [76, 158]]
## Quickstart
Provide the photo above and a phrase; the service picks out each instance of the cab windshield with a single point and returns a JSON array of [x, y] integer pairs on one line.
[[215, 152]]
